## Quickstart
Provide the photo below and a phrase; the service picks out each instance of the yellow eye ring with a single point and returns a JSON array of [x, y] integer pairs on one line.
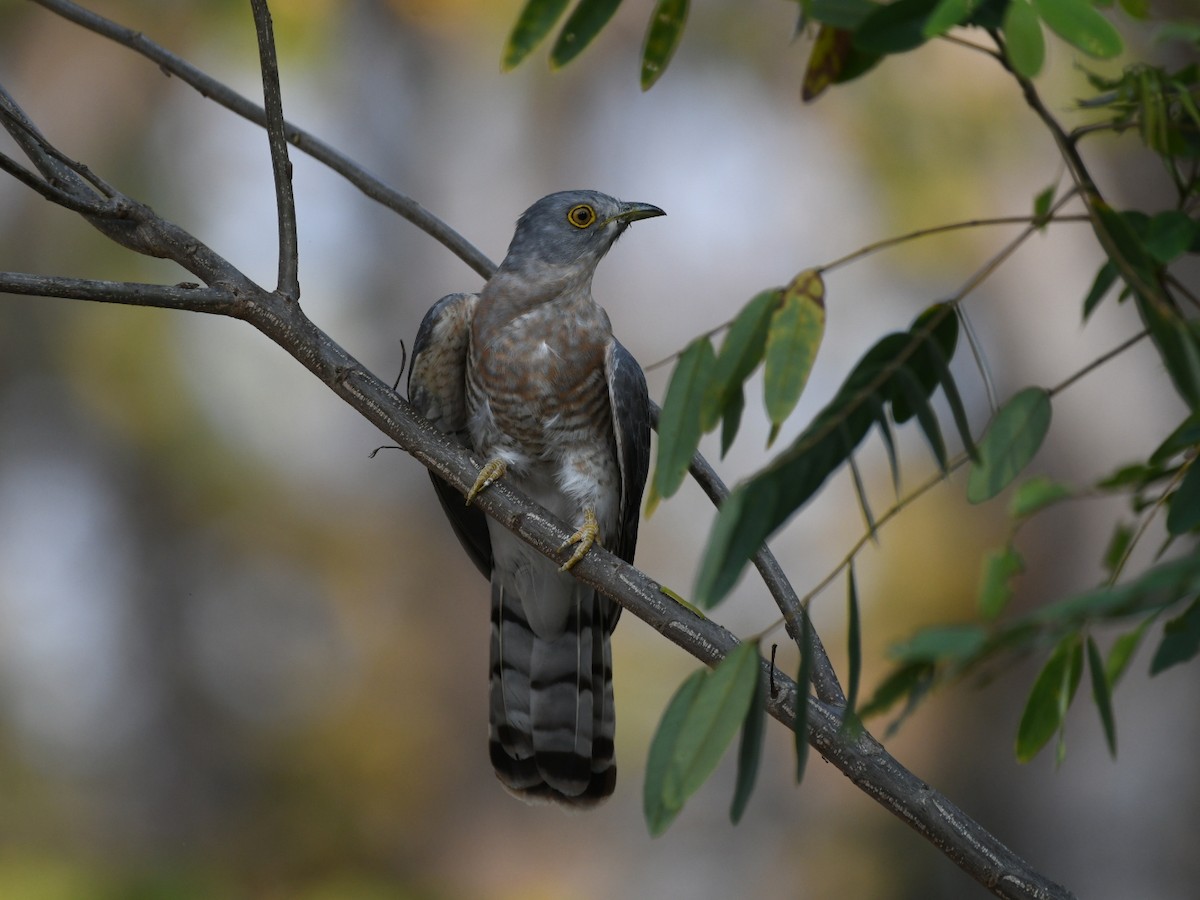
[[581, 215]]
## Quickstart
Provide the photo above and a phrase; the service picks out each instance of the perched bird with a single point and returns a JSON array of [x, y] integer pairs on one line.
[[527, 374]]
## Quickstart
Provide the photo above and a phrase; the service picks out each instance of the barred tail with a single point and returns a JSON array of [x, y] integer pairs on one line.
[[552, 720]]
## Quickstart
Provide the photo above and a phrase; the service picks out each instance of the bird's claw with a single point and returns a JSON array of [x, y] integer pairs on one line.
[[488, 475], [585, 537]]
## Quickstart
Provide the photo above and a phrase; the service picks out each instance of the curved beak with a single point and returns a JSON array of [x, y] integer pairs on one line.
[[631, 212]]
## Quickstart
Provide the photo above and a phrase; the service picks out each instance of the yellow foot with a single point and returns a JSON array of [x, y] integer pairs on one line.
[[488, 475], [587, 535]]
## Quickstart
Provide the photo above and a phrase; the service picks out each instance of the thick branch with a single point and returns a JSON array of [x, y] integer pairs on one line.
[[191, 297], [862, 759]]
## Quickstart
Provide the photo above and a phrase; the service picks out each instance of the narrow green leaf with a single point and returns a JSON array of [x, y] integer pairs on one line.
[[895, 28], [830, 53], [658, 813], [734, 407], [1183, 514], [662, 37], [1118, 546], [1036, 494], [889, 441], [1184, 438], [800, 724], [1168, 235], [679, 427], [941, 643], [853, 642], [1178, 344], [1025, 46], [1043, 201], [1079, 24], [860, 491], [1122, 652], [958, 410], [947, 14], [750, 750], [794, 336], [1102, 695], [918, 401], [1181, 640], [533, 24], [1052, 693], [1105, 279], [713, 718], [847, 14], [1010, 442], [925, 361], [912, 679], [1137, 9], [741, 352], [586, 21], [995, 589]]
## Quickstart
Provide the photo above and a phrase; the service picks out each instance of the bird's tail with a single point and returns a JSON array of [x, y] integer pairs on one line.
[[552, 720]]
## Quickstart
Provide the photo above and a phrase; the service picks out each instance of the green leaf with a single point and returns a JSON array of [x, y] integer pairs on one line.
[[1178, 344], [794, 336], [1137, 9], [662, 37], [679, 425], [1105, 279], [853, 642], [741, 352], [1184, 438], [1036, 494], [947, 14], [847, 14], [895, 28], [1043, 201], [659, 814], [910, 679], [1181, 640], [1102, 695], [732, 419], [755, 508], [800, 723], [533, 24], [1046, 708], [1079, 24], [586, 21], [1168, 235], [1118, 546], [713, 717], [936, 332], [1024, 45], [1122, 652], [1010, 442], [1183, 514], [918, 401], [889, 442], [750, 750], [940, 643], [995, 589], [696, 727]]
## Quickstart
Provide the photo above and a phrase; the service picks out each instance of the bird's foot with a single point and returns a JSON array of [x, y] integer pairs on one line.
[[588, 534], [488, 475]]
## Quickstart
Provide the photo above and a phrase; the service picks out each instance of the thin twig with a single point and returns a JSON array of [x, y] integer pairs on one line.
[[281, 167], [191, 297]]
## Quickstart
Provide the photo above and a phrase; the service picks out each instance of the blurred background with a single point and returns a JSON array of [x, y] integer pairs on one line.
[[239, 658]]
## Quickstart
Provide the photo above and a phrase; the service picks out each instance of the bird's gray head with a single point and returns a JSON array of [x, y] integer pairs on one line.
[[571, 229]]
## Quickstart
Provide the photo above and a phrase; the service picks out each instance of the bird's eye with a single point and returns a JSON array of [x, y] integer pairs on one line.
[[581, 216]]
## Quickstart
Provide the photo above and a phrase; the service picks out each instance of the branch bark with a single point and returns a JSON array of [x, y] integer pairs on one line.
[[276, 314]]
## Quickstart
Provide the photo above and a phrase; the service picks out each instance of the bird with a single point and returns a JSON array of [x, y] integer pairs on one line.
[[528, 375]]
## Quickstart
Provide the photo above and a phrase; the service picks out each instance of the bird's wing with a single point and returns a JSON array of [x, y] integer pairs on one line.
[[630, 403], [437, 388]]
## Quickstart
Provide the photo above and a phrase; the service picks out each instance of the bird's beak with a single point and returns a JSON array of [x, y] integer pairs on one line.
[[631, 212]]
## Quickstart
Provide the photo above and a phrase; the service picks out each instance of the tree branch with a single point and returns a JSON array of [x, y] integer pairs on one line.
[[281, 167], [857, 754], [302, 140]]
